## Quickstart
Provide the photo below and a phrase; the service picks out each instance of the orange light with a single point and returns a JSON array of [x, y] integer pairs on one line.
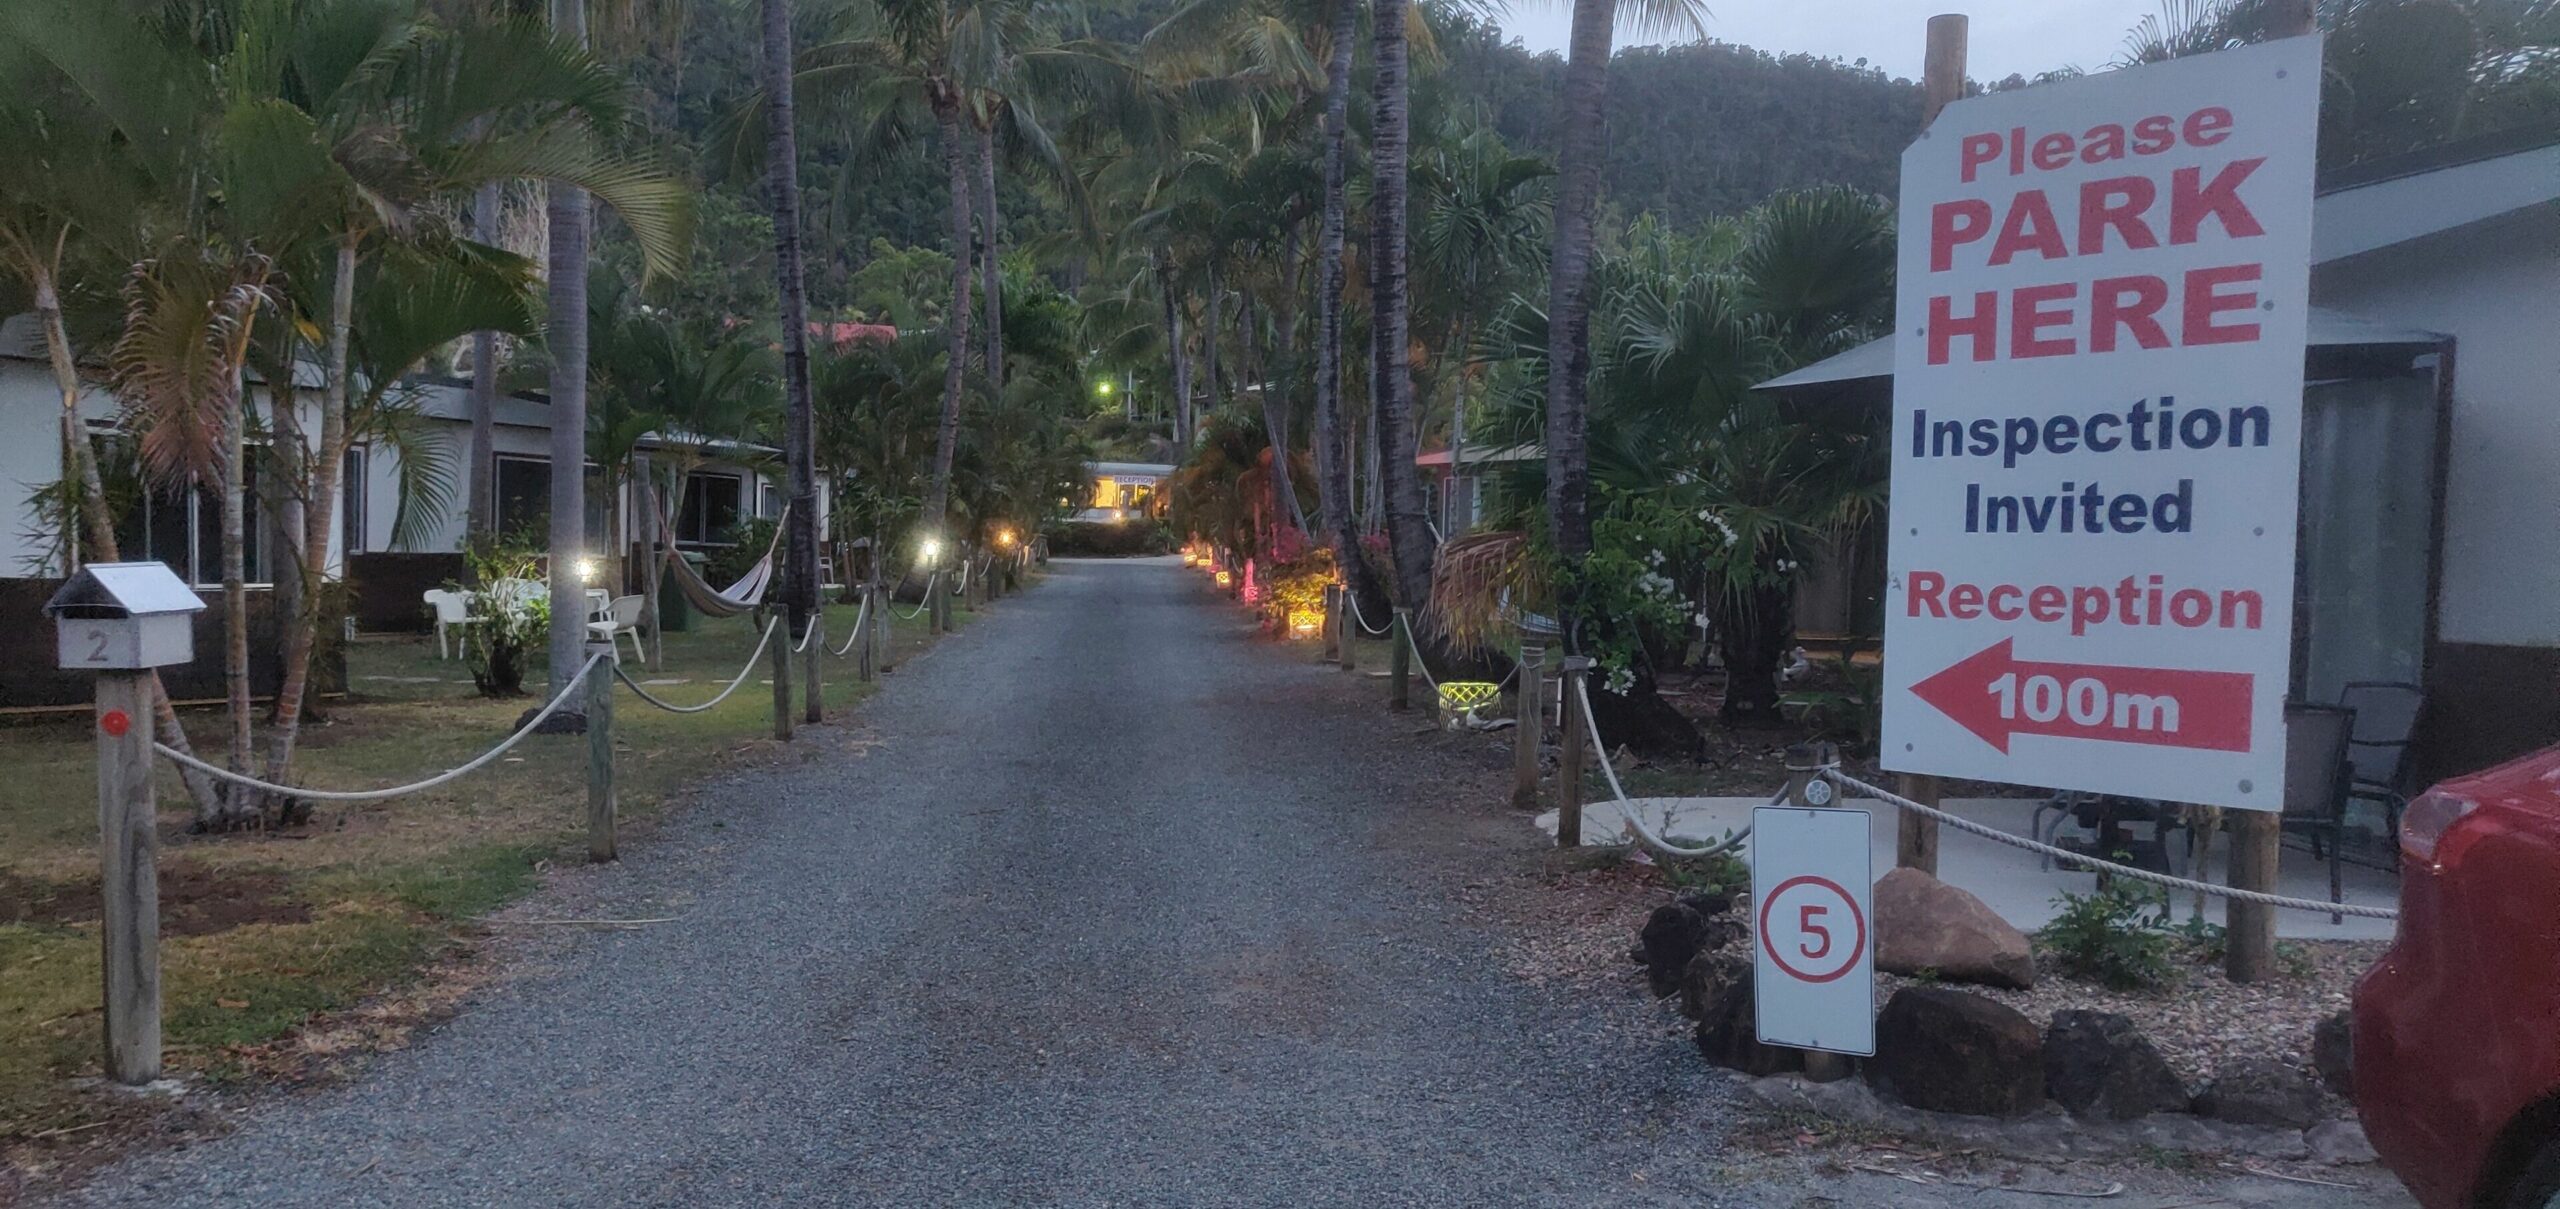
[[1225, 578]]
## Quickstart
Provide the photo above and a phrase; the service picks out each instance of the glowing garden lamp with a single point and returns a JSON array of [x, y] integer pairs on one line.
[[587, 568], [1004, 537], [1303, 623], [1103, 388], [1462, 698], [1225, 578], [928, 552]]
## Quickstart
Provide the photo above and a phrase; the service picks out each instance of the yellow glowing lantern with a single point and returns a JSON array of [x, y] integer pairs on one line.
[[1465, 697], [1303, 623], [1226, 578]]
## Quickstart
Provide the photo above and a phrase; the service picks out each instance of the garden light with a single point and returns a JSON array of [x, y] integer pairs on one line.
[[1103, 388], [1004, 537], [1225, 578], [1304, 623], [929, 551], [1462, 698], [587, 568]]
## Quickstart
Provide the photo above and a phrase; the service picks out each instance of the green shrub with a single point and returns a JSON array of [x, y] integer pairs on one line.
[[2119, 936], [1108, 539]]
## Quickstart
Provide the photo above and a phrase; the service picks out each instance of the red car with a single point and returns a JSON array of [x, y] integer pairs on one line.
[[2457, 1028]]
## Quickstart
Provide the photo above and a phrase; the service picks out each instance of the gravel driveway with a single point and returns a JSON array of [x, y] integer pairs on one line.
[[1102, 902]]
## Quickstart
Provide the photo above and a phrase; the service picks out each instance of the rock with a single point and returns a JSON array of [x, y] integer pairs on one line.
[[2333, 1053], [1925, 924], [2097, 1065], [1953, 1051], [2261, 1091], [1707, 903], [1671, 936], [2339, 1144], [1716, 991]]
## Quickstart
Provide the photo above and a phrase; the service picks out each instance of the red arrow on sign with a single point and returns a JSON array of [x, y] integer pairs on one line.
[[1996, 696]]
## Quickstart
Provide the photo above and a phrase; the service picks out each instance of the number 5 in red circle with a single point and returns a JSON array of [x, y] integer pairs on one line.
[[1817, 906]]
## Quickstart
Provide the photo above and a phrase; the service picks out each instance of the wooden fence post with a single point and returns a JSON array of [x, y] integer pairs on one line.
[[1915, 843], [601, 805], [1352, 630], [782, 680], [129, 889], [1400, 661], [2249, 939], [1533, 724], [1941, 83], [1575, 748], [866, 666], [1332, 623], [813, 697]]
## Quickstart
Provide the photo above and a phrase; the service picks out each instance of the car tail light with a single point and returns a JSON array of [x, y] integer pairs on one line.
[[2423, 824]]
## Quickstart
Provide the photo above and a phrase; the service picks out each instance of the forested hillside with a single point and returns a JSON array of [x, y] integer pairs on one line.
[[1705, 129]]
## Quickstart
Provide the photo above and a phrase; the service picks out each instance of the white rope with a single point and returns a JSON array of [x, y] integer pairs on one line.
[[921, 605], [1416, 653], [807, 632], [1636, 827], [375, 795], [1994, 834], [1372, 631], [743, 673], [860, 617]]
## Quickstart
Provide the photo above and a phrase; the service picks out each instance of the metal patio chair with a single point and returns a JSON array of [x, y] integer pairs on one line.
[[2315, 783], [2378, 747]]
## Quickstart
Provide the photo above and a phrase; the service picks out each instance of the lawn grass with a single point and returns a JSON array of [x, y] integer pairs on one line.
[[264, 933]]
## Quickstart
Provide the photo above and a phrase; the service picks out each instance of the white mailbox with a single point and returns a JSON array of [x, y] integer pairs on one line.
[[114, 616]]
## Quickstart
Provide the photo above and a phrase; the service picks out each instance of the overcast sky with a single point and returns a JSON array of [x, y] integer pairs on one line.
[[2023, 36]]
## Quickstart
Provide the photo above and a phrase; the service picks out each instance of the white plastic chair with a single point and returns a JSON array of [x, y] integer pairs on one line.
[[452, 609], [621, 619]]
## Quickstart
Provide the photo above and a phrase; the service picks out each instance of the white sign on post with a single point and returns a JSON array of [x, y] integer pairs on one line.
[[2104, 292], [1813, 974]]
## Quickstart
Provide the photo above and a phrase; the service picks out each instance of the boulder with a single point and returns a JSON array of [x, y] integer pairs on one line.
[[2339, 1144], [1925, 924], [2261, 1091], [1672, 935], [1716, 991], [2097, 1065], [2333, 1053], [1954, 1051]]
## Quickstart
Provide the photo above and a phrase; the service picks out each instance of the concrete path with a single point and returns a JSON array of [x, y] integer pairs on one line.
[[1103, 902]]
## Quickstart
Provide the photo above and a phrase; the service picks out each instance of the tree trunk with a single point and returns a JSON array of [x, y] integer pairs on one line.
[[286, 494], [1212, 371], [1286, 323], [1174, 347], [955, 160], [782, 167], [480, 475], [1332, 434], [304, 629], [566, 332], [100, 522], [1452, 523], [1408, 521], [653, 555], [1752, 637], [991, 267], [235, 577], [1586, 83]]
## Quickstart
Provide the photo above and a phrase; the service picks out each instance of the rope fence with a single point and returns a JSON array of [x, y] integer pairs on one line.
[[549, 708], [1849, 783], [921, 605], [741, 678], [1363, 620], [861, 618]]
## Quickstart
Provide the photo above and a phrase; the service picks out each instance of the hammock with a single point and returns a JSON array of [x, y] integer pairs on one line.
[[738, 599]]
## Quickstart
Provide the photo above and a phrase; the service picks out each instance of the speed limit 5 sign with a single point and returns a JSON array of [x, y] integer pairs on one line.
[[1814, 950]]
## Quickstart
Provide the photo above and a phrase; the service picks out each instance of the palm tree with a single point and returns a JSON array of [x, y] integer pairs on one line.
[[569, 217], [1584, 148], [1333, 460], [782, 168], [1481, 218], [1390, 136]]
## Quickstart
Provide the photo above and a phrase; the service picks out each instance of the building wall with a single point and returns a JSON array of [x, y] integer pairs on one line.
[[2494, 288]]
